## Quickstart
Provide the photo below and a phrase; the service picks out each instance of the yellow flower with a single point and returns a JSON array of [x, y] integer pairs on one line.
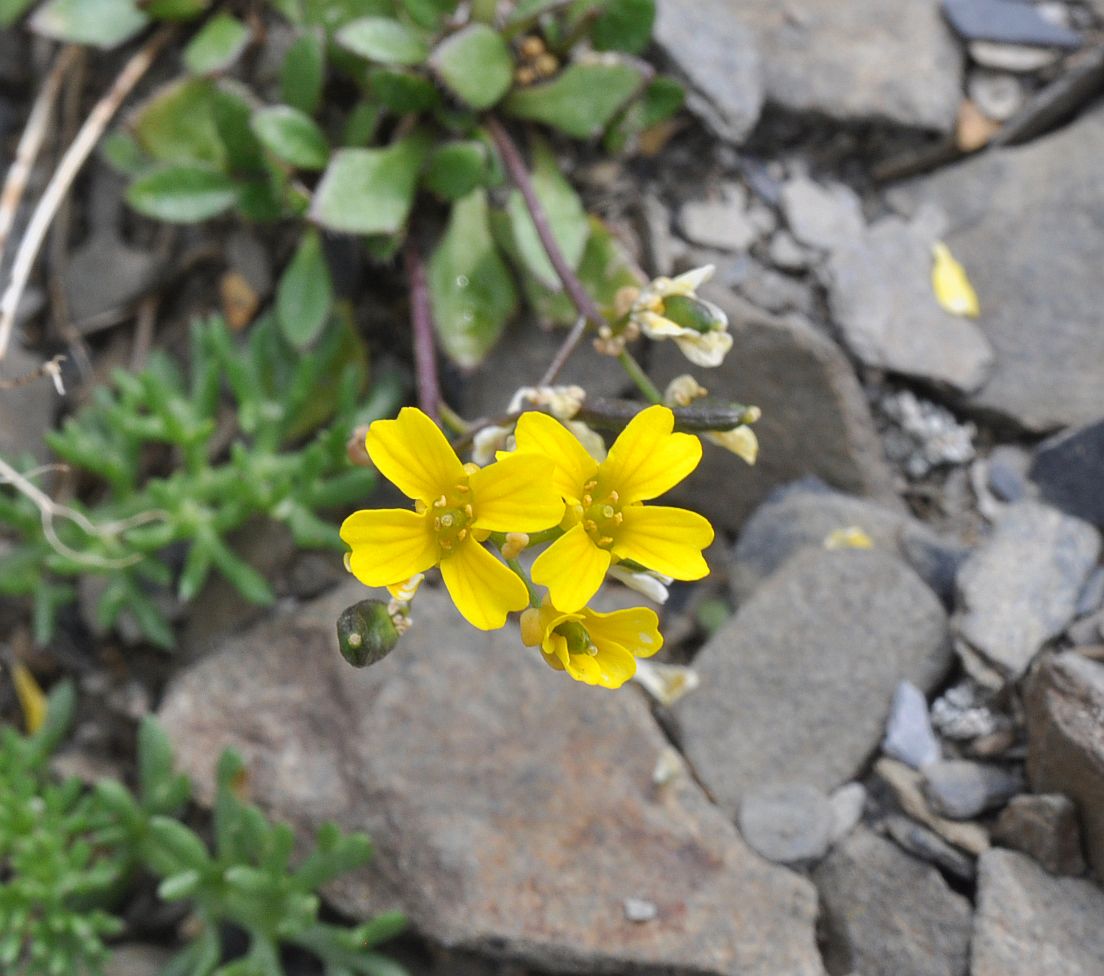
[[596, 648], [456, 508], [605, 518]]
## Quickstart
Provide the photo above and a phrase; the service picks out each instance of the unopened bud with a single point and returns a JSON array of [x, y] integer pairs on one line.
[[356, 449], [515, 544], [532, 46], [366, 633]]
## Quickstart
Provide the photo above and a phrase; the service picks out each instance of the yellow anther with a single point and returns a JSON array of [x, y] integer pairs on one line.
[[606, 540], [590, 485], [618, 518], [464, 488], [437, 522], [462, 535], [614, 497], [441, 502], [468, 511], [590, 525], [587, 501]]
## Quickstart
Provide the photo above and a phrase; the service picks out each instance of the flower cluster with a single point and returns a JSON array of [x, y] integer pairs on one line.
[[594, 514]]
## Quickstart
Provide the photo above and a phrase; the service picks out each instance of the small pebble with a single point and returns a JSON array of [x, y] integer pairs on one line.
[[962, 790], [640, 910], [929, 846], [787, 824], [848, 803], [909, 736]]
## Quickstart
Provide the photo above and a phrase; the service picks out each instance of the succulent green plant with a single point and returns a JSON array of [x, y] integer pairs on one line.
[[148, 531], [68, 853]]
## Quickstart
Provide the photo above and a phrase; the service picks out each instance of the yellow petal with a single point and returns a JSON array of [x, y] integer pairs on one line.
[[516, 494], [611, 667], [741, 441], [666, 540], [483, 589], [389, 545], [554, 651], [412, 453], [635, 629], [31, 698], [572, 568], [537, 433], [848, 537], [647, 459], [951, 284]]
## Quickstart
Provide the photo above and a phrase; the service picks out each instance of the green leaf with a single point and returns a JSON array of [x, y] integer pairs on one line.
[[305, 293], [581, 101], [361, 125], [245, 579], [370, 191], [403, 91], [429, 13], [177, 124], [155, 757], [475, 65], [292, 136], [101, 23], [60, 705], [565, 213], [384, 40], [470, 287], [12, 10], [456, 168], [217, 45], [181, 885], [661, 99], [174, 848], [231, 110], [176, 9], [624, 25], [333, 14], [121, 152], [303, 72], [182, 194]]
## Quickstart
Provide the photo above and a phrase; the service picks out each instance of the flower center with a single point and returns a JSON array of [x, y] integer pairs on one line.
[[601, 515], [578, 640], [452, 517]]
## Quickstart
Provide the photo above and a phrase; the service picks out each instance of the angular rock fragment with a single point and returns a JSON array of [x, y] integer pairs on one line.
[[962, 790], [823, 217], [789, 823], [1069, 471], [1046, 828]]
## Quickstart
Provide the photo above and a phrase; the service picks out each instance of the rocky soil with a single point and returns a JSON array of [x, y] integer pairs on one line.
[[892, 758]]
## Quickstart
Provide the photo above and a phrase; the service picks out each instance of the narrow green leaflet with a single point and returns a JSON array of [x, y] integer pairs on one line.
[[384, 40], [293, 136], [403, 90], [177, 124], [121, 152], [219, 43], [475, 65], [370, 191], [182, 194], [303, 72], [305, 293], [581, 101], [457, 168], [565, 214], [624, 25], [101, 23], [470, 287], [176, 9]]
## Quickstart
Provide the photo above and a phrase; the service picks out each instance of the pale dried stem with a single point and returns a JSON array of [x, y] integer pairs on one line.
[[67, 170], [30, 142]]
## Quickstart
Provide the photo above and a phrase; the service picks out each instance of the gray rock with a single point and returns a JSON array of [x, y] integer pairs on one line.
[[1069, 471], [962, 790], [998, 94], [1046, 828], [849, 61], [711, 45], [766, 288], [1020, 587], [489, 839], [887, 914], [788, 823], [802, 515], [909, 736], [922, 436], [723, 224], [848, 803], [1019, 216], [1006, 23], [1065, 750], [880, 294], [815, 417], [1029, 922], [27, 411], [929, 846], [1091, 597], [1012, 57], [823, 217], [831, 634], [136, 959], [1006, 473], [786, 253]]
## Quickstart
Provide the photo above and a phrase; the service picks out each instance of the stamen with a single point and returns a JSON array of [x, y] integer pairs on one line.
[[606, 540], [618, 518], [614, 497], [441, 502], [461, 535]]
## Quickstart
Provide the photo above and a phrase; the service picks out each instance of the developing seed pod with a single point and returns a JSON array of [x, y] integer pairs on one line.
[[366, 633]]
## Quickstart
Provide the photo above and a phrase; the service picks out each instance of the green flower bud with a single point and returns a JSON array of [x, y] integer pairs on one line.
[[366, 633], [694, 313]]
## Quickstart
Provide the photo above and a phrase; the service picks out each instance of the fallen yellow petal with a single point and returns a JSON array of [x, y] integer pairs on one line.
[[951, 285], [31, 698], [850, 537]]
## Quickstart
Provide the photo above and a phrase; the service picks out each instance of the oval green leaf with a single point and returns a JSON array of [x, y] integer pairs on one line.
[[384, 40], [475, 65], [292, 136], [305, 293], [217, 46], [182, 194], [303, 72], [581, 101]]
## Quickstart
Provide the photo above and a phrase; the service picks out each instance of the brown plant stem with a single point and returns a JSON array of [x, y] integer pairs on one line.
[[580, 298], [421, 321], [71, 162]]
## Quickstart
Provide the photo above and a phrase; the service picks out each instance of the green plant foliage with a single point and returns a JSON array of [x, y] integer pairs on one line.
[[292, 136], [217, 45], [67, 854], [305, 295], [383, 40], [182, 194], [101, 23], [475, 65], [303, 73], [145, 522]]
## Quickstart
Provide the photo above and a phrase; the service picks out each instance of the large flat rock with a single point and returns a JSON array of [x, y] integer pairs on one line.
[[815, 417], [1023, 222], [796, 687], [1030, 923], [513, 811], [1065, 741], [858, 60]]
